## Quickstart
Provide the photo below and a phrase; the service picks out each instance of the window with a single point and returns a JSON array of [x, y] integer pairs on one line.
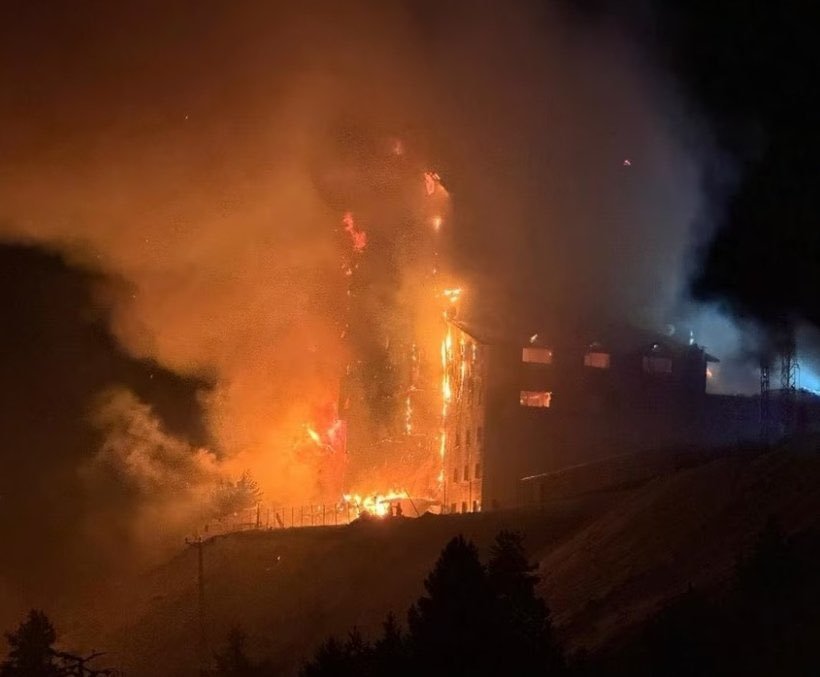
[[464, 506], [597, 360], [475, 506], [466, 471], [535, 398], [458, 439], [455, 474], [452, 507], [467, 439], [536, 355], [657, 365], [478, 471]]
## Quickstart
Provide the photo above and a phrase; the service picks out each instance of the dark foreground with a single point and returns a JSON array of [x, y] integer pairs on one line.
[[616, 565]]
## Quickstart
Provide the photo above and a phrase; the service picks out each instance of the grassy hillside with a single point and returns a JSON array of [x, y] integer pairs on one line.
[[608, 558]]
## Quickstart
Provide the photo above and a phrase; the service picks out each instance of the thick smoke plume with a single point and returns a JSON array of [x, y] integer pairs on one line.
[[151, 487], [210, 164]]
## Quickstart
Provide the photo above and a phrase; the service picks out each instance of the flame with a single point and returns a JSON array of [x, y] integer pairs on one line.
[[359, 237], [377, 505], [452, 295], [431, 182], [437, 221], [314, 436], [332, 439], [408, 416]]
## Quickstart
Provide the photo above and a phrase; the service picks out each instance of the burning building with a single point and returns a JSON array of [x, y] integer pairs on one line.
[[393, 245], [520, 406]]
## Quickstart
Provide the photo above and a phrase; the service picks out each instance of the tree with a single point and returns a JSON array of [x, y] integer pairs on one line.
[[230, 497], [453, 629], [471, 620], [353, 659], [524, 619], [31, 652], [390, 651]]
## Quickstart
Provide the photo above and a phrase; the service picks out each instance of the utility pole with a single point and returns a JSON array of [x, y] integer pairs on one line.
[[202, 641], [765, 414], [788, 385]]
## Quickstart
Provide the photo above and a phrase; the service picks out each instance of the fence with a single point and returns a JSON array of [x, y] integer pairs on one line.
[[272, 517], [318, 515]]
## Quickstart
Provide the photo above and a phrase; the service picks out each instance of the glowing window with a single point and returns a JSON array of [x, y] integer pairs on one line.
[[597, 360], [536, 355], [657, 365], [535, 398]]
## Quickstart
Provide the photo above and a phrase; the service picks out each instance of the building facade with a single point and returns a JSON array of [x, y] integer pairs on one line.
[[522, 406]]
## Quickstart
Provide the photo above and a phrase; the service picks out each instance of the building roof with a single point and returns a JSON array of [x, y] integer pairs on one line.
[[610, 337]]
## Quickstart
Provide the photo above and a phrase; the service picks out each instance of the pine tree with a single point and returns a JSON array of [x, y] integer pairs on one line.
[[524, 618], [390, 655], [31, 651], [332, 660], [453, 627]]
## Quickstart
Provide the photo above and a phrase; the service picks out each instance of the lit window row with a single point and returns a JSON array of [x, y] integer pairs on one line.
[[595, 359]]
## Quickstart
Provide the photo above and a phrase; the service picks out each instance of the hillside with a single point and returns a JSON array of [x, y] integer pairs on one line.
[[608, 557]]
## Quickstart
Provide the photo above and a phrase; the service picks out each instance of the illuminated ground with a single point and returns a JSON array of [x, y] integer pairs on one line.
[[608, 557]]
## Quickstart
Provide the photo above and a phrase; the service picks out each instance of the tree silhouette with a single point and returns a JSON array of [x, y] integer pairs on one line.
[[390, 653], [349, 660], [453, 628], [524, 619], [31, 652], [471, 620], [230, 497]]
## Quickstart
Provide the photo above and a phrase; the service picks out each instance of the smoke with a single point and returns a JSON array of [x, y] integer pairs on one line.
[[151, 487], [747, 75], [206, 153]]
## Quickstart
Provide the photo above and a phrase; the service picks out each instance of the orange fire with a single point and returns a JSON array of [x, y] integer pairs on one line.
[[452, 295], [431, 182], [312, 434], [358, 237], [376, 505]]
